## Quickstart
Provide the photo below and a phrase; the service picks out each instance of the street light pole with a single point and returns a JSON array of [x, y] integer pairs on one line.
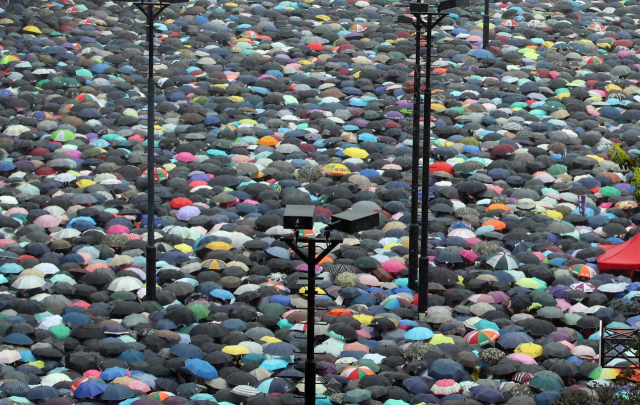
[[151, 10], [297, 217], [415, 167], [419, 267], [312, 261], [485, 25]]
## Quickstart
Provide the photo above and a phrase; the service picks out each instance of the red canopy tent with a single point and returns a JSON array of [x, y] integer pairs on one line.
[[624, 256]]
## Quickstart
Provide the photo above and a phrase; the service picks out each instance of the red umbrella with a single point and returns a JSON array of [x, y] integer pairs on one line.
[[315, 46], [180, 202]]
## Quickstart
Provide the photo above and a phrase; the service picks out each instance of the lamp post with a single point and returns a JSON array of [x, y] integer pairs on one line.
[[299, 217], [485, 25], [151, 10], [427, 18]]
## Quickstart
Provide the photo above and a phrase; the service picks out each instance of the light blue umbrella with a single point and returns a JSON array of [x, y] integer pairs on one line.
[[419, 333]]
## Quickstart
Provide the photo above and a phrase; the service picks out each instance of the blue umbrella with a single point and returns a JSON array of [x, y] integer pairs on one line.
[[275, 386], [419, 333], [274, 364], [486, 394], [201, 368], [442, 369], [90, 389], [112, 373], [187, 351], [117, 392], [547, 397], [18, 339], [280, 349], [129, 356], [222, 294]]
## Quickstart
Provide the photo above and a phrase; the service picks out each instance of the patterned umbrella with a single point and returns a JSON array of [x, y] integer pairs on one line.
[[445, 387], [482, 337], [492, 355]]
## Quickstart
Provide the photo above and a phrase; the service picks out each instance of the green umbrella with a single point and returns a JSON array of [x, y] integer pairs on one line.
[[366, 262], [609, 191], [368, 363], [199, 310], [60, 331], [544, 298], [69, 82], [124, 296], [273, 309], [546, 382], [356, 396], [557, 169]]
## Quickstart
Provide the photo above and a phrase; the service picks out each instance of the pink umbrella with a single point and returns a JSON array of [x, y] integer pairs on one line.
[[16, 210], [363, 333], [393, 266], [138, 385], [499, 296], [92, 373], [445, 387], [469, 255], [5, 242], [562, 304], [47, 221], [185, 157], [522, 358], [304, 267], [75, 154], [368, 279], [117, 229], [473, 241]]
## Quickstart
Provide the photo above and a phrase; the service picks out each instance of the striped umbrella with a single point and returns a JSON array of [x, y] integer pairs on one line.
[[503, 261], [357, 372], [482, 337]]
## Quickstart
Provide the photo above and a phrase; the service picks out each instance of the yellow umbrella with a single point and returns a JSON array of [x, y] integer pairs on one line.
[[32, 29], [84, 183], [528, 283], [336, 169], [184, 248], [440, 339], [38, 363], [270, 339], [530, 349], [218, 246], [235, 350], [598, 158], [356, 153], [323, 17], [364, 319], [319, 291], [553, 214]]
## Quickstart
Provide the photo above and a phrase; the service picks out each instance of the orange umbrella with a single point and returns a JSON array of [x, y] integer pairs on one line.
[[340, 312], [268, 141], [497, 207], [497, 225]]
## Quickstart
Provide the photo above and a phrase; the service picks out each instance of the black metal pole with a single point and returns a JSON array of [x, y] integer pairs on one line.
[[311, 260], [485, 25], [310, 363], [423, 292], [414, 227], [151, 10]]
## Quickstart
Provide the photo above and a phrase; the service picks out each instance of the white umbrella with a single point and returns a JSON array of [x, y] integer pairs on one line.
[[124, 284], [28, 282], [47, 268]]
